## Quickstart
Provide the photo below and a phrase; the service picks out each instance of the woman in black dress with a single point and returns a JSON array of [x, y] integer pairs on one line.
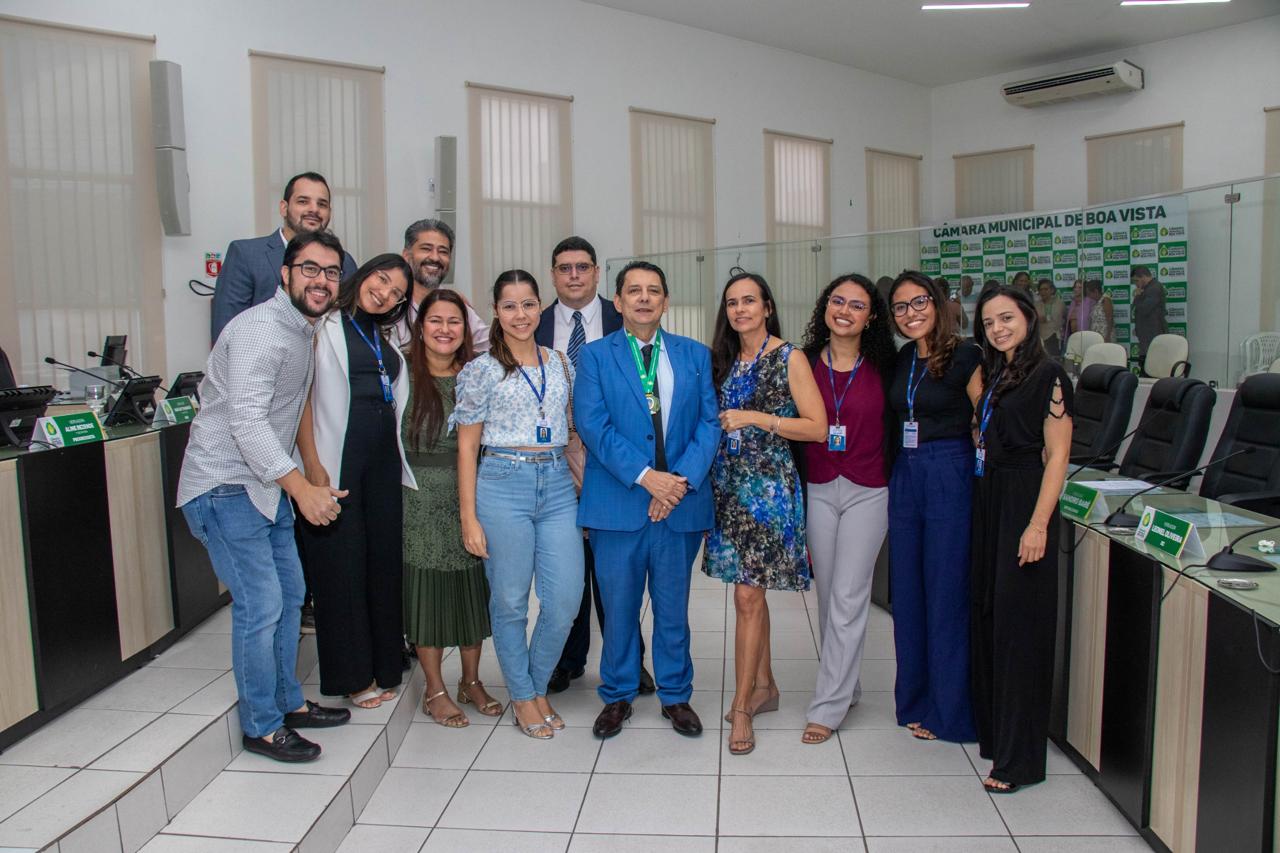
[[1024, 439]]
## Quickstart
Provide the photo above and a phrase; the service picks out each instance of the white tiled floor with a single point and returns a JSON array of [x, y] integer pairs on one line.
[[872, 787]]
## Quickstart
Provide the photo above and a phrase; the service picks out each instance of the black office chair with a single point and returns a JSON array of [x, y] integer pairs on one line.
[[1103, 403], [7, 379], [1251, 481], [1175, 425]]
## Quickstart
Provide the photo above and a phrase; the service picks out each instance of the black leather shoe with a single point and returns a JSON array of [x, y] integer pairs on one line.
[[647, 687], [609, 723], [317, 717], [285, 745], [560, 679], [683, 718]]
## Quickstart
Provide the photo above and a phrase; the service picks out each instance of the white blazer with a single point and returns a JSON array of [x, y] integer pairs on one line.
[[331, 398]]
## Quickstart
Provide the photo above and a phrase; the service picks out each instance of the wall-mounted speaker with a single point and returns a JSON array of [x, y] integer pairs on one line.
[[169, 136]]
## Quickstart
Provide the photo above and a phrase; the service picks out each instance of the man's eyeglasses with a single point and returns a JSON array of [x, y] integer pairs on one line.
[[581, 268], [313, 270], [838, 303], [918, 304]]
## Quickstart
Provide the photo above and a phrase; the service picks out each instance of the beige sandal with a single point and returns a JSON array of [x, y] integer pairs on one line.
[[742, 746], [815, 733], [453, 721], [366, 699], [492, 708]]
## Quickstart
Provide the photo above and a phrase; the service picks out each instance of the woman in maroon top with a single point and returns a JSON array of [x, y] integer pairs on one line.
[[851, 348]]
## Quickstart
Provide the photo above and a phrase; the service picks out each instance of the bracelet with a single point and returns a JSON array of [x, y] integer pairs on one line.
[[774, 429]]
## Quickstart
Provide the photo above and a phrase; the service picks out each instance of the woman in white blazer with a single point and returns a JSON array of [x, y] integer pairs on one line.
[[350, 437]]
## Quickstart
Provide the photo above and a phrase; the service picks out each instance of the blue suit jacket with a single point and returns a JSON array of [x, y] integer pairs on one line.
[[617, 429], [545, 334], [250, 275]]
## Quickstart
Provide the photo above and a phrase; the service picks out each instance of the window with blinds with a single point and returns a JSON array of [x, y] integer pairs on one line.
[[1134, 163], [79, 222], [673, 210], [993, 182], [326, 117], [893, 203], [797, 193], [520, 179]]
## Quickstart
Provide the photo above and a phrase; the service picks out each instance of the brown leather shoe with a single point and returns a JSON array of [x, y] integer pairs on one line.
[[683, 718], [609, 723]]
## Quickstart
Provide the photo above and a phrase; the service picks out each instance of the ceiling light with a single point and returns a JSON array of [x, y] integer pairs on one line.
[[934, 7], [1168, 2]]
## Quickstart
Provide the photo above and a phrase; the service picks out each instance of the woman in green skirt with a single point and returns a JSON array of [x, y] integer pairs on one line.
[[446, 596]]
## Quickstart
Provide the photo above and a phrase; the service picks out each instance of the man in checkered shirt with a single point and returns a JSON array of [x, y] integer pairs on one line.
[[237, 478]]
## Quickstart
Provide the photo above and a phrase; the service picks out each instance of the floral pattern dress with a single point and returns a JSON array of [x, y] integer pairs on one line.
[[759, 537]]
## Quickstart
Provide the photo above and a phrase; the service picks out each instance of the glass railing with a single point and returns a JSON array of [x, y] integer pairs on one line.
[[1215, 252]]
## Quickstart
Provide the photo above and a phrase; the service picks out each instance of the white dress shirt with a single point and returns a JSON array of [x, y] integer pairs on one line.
[[666, 386], [592, 325]]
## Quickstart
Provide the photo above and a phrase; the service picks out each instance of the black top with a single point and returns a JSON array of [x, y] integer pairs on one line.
[[1015, 434], [942, 409], [362, 364], [6, 373]]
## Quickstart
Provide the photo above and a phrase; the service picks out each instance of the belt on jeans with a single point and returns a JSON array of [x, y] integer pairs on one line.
[[525, 455]]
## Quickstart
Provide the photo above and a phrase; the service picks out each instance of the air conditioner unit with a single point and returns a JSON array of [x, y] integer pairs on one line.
[[1110, 79]]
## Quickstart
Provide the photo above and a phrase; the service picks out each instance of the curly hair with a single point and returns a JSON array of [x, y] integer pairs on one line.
[[877, 338]]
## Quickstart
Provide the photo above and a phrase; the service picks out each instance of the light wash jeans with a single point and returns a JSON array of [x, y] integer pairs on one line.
[[529, 514], [258, 561]]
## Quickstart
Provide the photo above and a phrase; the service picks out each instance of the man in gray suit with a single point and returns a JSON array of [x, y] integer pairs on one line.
[[251, 270]]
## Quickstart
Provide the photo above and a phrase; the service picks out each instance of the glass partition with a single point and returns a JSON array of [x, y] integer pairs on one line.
[[1214, 252]]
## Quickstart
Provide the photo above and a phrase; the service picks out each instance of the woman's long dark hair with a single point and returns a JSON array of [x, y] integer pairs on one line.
[[497, 338], [426, 420], [1028, 355], [877, 338], [349, 291], [942, 338], [725, 342]]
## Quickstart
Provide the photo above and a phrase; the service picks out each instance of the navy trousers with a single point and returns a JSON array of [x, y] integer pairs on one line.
[[574, 656], [929, 521]]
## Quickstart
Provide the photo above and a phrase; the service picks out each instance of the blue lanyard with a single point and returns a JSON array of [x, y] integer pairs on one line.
[[987, 411], [746, 381], [913, 386], [375, 344], [839, 397], [540, 395]]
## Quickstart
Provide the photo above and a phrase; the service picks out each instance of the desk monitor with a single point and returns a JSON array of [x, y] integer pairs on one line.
[[20, 408], [114, 351], [135, 404], [186, 385]]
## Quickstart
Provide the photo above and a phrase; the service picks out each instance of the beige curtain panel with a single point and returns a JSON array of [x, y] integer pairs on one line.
[[1134, 163], [990, 183]]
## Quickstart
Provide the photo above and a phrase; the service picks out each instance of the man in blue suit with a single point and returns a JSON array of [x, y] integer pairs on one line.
[[577, 317], [251, 270], [647, 412]]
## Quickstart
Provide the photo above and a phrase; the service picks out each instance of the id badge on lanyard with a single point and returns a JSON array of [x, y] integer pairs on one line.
[[911, 435], [543, 429], [980, 455], [911, 427], [837, 438], [733, 442]]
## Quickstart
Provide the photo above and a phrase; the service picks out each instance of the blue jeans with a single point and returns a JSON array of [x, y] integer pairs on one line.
[[258, 561], [529, 513]]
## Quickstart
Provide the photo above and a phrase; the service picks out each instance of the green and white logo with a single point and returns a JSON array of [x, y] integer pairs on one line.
[[1176, 251], [949, 247], [1016, 262], [1040, 241], [1145, 233], [1115, 255], [993, 245], [1065, 258], [972, 265], [1090, 237]]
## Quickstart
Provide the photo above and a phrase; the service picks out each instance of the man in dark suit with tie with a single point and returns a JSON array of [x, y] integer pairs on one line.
[[577, 317], [251, 269], [646, 410]]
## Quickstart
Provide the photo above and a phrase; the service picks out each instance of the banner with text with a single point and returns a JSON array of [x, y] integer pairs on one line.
[[1104, 243]]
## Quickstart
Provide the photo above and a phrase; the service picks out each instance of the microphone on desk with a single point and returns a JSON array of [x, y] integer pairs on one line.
[[56, 363], [129, 371], [1120, 518], [1227, 560], [1113, 448]]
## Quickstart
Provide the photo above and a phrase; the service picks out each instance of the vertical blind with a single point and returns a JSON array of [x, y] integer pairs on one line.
[[1134, 163], [314, 116], [995, 182], [893, 202], [79, 224], [1269, 318], [797, 192], [673, 210], [521, 181]]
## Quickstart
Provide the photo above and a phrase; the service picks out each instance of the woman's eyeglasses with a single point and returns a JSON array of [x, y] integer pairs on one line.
[[918, 304], [839, 302]]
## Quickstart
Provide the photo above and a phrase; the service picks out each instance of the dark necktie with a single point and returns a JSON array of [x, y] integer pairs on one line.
[[659, 451], [577, 338]]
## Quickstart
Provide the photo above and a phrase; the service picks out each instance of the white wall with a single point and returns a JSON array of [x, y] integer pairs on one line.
[[607, 60], [1217, 82]]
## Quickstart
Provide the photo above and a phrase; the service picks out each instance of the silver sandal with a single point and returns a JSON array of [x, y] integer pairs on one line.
[[532, 730]]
